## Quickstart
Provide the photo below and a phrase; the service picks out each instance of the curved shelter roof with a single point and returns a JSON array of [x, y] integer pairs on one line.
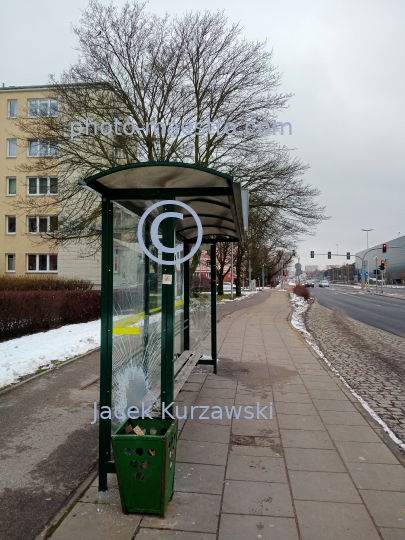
[[213, 195]]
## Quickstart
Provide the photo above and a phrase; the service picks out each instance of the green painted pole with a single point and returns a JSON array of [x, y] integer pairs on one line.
[[106, 338], [214, 307], [186, 299], [146, 295], [167, 355]]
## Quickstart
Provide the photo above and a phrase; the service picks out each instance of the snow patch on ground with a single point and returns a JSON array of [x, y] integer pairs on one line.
[[244, 295], [297, 320], [27, 354]]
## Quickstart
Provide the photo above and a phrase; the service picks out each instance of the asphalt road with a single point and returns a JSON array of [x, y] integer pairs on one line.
[[47, 445], [382, 312], [388, 289]]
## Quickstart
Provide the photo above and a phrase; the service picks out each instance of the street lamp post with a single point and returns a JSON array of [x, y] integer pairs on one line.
[[376, 273], [368, 271], [382, 280]]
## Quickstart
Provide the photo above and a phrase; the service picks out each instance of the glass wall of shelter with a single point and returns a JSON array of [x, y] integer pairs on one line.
[[149, 318]]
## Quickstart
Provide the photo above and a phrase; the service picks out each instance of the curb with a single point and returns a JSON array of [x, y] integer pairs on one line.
[[30, 378], [72, 500]]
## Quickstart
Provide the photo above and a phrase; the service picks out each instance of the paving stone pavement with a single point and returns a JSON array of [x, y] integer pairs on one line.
[[371, 360], [316, 470]]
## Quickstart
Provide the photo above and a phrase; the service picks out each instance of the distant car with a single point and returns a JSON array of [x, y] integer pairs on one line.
[[309, 283], [227, 286], [324, 283]]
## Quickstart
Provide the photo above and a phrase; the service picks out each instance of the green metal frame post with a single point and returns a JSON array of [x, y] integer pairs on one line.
[[146, 292], [214, 307], [107, 220], [167, 355], [186, 299]]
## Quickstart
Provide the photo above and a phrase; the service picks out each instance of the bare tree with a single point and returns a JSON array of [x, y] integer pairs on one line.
[[223, 254], [270, 242], [136, 67], [276, 187]]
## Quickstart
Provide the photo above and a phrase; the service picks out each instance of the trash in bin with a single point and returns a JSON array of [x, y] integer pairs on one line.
[[145, 464], [130, 430]]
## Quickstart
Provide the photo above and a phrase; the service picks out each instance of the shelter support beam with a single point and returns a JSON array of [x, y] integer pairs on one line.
[[106, 339], [146, 293], [186, 299], [214, 307], [167, 365]]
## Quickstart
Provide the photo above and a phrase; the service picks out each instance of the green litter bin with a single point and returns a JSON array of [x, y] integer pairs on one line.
[[145, 465]]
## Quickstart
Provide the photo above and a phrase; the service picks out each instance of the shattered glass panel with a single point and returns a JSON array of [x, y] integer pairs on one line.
[[178, 305], [200, 301], [137, 302]]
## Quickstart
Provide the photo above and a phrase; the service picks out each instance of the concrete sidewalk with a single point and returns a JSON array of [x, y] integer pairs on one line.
[[319, 470]]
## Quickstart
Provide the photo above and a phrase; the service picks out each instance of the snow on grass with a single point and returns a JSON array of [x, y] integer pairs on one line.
[[245, 294], [27, 354], [297, 320]]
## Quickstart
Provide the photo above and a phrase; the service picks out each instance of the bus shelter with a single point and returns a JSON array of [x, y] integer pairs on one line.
[[150, 326]]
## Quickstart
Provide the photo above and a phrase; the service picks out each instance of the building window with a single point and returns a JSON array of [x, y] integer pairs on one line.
[[42, 263], [208, 275], [42, 148], [42, 107], [42, 186], [119, 155], [42, 224], [11, 186], [12, 108], [11, 224], [10, 263], [11, 147]]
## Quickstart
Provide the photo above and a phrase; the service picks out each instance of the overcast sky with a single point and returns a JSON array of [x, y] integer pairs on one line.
[[344, 61]]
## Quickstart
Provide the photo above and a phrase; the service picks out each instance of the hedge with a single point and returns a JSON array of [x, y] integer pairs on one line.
[[301, 290], [43, 283], [29, 312]]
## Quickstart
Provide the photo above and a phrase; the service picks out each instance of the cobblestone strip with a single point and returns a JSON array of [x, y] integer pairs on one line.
[[371, 360]]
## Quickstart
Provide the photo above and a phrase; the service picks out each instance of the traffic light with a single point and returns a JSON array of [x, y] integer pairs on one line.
[[285, 273], [384, 248], [329, 254], [348, 255], [293, 253], [312, 254], [382, 265]]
